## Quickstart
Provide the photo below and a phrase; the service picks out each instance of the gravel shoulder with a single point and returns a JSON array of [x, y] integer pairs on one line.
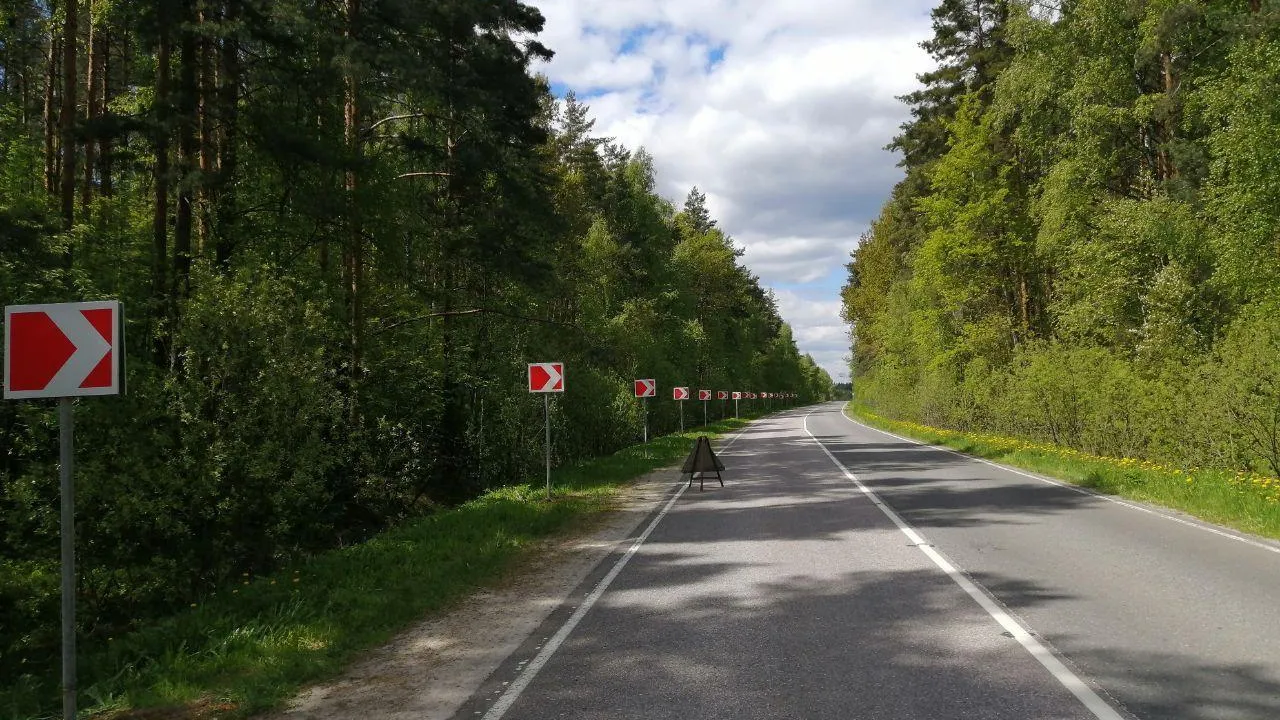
[[430, 670]]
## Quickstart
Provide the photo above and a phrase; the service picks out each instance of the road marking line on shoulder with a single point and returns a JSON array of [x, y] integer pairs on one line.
[[1060, 672], [1075, 488], [526, 676]]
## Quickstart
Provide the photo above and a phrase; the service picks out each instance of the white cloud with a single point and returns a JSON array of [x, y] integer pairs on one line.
[[784, 132]]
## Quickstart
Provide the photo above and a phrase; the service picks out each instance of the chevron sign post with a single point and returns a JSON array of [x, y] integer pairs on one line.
[[646, 389], [705, 397], [546, 378], [63, 351], [680, 394]]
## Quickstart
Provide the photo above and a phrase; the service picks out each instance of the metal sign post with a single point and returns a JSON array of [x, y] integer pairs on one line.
[[646, 420], [66, 456], [546, 406], [64, 351], [547, 378]]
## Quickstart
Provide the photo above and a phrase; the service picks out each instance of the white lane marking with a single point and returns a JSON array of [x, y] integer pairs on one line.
[[1060, 672], [1074, 488], [513, 691]]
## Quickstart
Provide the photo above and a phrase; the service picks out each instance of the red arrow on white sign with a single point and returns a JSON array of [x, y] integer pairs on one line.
[[680, 393], [62, 350], [646, 388], [546, 377], [704, 394]]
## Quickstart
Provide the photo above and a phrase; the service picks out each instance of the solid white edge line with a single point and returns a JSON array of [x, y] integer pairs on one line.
[[513, 691], [1060, 672], [1199, 525]]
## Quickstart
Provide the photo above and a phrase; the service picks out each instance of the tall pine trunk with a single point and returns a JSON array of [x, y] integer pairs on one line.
[[92, 107], [66, 125], [186, 117], [160, 175], [228, 107], [353, 261], [105, 146], [50, 118], [205, 194]]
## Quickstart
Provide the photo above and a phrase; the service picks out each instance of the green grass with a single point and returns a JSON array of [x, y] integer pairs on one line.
[[1245, 501], [252, 646]]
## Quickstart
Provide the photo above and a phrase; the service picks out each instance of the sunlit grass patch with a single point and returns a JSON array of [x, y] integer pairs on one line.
[[1242, 500]]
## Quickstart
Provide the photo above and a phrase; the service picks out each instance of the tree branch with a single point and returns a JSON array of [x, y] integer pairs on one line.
[[473, 311], [422, 174], [393, 118]]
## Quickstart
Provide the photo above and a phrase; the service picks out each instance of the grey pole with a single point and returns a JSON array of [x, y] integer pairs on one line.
[[681, 417], [646, 420], [735, 409], [704, 413], [66, 451], [546, 404]]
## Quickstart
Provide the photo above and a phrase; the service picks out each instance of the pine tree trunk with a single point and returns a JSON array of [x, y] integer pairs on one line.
[[160, 174], [1168, 170], [92, 107], [186, 118], [205, 195], [353, 265], [50, 120], [90, 114], [105, 141], [228, 105], [68, 116]]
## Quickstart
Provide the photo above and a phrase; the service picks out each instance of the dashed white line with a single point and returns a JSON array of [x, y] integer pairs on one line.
[[1060, 672]]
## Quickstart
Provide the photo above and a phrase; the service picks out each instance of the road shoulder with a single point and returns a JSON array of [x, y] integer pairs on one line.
[[430, 670]]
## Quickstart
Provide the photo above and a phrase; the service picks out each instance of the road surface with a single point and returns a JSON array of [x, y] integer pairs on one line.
[[846, 573]]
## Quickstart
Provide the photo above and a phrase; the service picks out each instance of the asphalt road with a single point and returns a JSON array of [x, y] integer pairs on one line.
[[973, 592]]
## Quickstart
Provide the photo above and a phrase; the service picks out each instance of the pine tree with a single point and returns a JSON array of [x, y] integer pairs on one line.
[[696, 212]]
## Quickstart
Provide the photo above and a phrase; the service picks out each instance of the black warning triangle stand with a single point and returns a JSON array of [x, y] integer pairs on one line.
[[702, 460]]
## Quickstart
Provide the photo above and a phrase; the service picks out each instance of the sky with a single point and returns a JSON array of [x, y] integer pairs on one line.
[[778, 110]]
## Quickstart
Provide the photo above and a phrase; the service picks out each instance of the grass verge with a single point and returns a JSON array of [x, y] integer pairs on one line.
[[252, 646], [1245, 501]]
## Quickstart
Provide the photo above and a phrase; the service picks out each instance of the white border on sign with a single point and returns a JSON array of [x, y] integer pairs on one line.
[[544, 364], [117, 349]]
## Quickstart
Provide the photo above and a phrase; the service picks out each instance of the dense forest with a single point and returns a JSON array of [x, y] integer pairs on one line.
[[1085, 248], [339, 230]]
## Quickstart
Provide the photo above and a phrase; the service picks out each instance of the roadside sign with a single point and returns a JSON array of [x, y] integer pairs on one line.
[[704, 394], [646, 388], [680, 393], [60, 350], [722, 394], [737, 396], [546, 377], [65, 350]]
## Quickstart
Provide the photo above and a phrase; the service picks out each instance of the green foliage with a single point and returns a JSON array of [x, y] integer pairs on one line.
[[1091, 260], [340, 231]]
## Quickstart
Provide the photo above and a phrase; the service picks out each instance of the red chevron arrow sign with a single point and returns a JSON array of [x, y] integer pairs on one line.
[[646, 388], [62, 350], [680, 393], [704, 394], [546, 377]]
